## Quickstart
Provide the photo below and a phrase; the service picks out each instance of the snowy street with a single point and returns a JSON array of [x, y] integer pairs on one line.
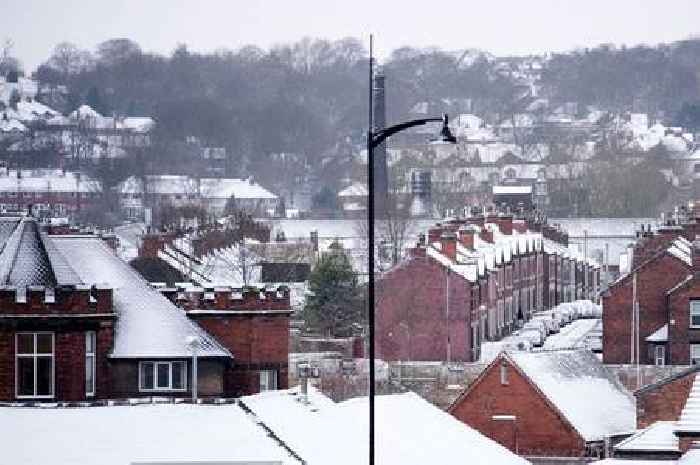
[[571, 336]]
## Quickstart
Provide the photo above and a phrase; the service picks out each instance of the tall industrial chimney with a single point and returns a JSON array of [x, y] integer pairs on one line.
[[381, 172]]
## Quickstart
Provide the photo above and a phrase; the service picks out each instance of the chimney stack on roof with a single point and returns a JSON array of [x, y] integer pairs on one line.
[[466, 236], [448, 243]]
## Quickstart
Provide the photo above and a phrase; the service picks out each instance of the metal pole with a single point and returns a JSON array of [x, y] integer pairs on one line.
[[194, 374], [585, 264], [370, 251]]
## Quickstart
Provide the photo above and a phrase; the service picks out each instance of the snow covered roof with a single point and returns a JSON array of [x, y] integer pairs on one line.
[[660, 335], [512, 189], [689, 420], [30, 111], [120, 435], [468, 272], [47, 180], [680, 248], [85, 111], [12, 125], [221, 188], [138, 123], [148, 324], [410, 430], [354, 190], [581, 388], [656, 437]]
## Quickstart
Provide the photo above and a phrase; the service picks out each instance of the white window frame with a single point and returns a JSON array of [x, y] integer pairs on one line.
[[35, 356], [271, 379], [695, 358], [90, 362], [659, 355], [694, 308], [169, 387]]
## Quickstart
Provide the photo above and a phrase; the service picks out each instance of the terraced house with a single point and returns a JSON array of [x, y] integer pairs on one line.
[[77, 323]]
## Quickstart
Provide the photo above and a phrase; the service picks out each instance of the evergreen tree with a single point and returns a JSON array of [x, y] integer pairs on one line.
[[335, 303]]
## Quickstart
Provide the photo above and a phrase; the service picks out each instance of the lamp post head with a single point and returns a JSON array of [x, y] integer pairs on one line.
[[192, 342], [445, 136]]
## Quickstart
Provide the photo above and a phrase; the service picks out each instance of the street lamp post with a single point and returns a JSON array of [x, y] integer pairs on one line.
[[193, 344], [374, 139]]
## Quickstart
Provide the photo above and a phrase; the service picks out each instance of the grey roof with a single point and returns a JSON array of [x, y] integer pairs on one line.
[[23, 260], [148, 324]]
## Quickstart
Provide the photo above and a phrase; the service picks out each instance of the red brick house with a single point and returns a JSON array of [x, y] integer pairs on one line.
[[556, 403], [77, 323], [657, 276], [668, 418]]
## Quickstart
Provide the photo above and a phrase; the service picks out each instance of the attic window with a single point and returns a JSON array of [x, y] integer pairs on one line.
[[504, 374]]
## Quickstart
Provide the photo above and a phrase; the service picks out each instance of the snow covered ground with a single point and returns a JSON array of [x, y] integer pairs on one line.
[[122, 435]]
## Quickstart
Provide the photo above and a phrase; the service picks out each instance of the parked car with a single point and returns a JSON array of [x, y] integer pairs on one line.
[[537, 325], [532, 335], [550, 323]]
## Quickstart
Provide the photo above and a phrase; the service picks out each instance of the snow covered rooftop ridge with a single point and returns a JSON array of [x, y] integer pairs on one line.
[[689, 420], [354, 190], [148, 324], [581, 388], [658, 436], [324, 432]]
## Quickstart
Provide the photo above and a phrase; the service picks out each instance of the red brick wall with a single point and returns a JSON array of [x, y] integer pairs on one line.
[[679, 331], [664, 402], [653, 280], [540, 429], [69, 361], [411, 313], [257, 342]]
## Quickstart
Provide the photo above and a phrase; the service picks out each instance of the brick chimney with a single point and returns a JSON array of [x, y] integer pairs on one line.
[[696, 255], [466, 236], [448, 242]]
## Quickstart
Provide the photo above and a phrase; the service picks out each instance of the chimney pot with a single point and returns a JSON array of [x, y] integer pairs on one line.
[[448, 242]]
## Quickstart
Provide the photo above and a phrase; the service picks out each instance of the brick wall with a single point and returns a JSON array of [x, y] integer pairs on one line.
[[60, 308], [540, 429], [412, 317], [653, 280], [664, 402], [679, 331], [257, 342]]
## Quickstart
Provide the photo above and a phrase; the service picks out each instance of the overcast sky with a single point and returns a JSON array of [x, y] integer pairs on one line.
[[500, 26]]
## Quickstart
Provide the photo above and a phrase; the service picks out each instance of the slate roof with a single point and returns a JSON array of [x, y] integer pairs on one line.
[[148, 324]]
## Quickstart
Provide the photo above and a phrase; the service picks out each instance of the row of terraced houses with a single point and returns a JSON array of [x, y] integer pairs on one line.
[[476, 279]]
